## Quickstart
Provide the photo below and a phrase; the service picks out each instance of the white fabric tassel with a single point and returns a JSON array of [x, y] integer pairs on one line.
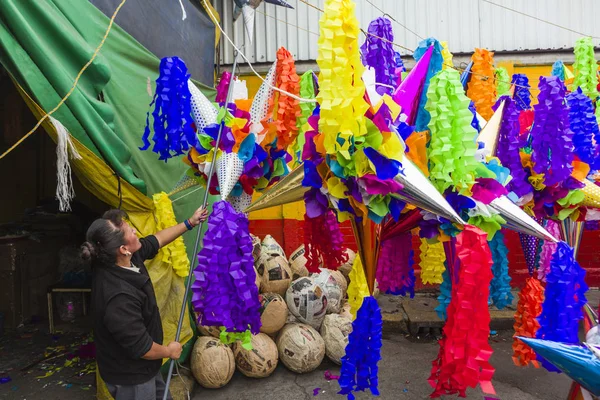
[[64, 184]]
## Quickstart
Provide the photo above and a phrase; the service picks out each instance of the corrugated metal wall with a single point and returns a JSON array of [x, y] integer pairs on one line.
[[465, 24]]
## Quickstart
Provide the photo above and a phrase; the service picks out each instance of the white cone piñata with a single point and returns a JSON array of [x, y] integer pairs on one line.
[[229, 169], [260, 104], [203, 111], [248, 13], [241, 202]]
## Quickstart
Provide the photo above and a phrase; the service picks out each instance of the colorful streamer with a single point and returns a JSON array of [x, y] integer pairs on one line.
[[223, 87], [486, 219], [432, 262], [463, 359], [500, 290], [395, 273], [558, 70], [509, 145], [323, 241], [173, 254], [400, 68], [378, 53], [482, 85], [502, 82], [522, 94], [363, 351], [585, 68], [584, 126], [286, 109], [447, 56], [552, 145], [224, 291], [340, 77], [422, 120], [565, 298], [445, 296], [173, 133], [475, 120], [526, 324], [465, 76], [548, 249], [307, 91], [358, 289], [452, 147]]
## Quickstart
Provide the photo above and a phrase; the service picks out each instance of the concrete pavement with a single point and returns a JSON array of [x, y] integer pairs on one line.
[[403, 373]]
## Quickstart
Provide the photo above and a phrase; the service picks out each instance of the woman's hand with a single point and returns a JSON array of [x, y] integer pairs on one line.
[[174, 349], [167, 235], [158, 352], [199, 216]]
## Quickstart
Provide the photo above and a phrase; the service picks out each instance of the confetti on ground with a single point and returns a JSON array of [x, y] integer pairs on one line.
[[72, 361], [5, 379], [51, 372], [330, 377], [89, 369], [316, 391]]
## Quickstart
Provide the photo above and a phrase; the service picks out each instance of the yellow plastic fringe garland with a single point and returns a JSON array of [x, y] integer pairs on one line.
[[341, 95], [358, 288], [482, 85], [173, 254], [432, 262], [448, 63]]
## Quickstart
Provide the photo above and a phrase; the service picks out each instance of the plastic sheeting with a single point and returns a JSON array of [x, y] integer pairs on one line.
[[157, 25]]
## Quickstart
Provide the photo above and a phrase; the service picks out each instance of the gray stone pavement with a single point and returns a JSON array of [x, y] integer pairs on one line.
[[406, 362], [403, 373]]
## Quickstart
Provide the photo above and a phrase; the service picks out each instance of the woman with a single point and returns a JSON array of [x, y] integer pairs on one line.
[[127, 326]]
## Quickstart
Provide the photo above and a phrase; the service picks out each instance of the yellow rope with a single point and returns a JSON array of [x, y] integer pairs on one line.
[[39, 123]]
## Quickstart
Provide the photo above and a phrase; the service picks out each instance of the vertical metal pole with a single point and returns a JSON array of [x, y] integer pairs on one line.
[[199, 232]]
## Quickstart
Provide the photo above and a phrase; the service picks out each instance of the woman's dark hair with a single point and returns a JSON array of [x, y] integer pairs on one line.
[[104, 237]]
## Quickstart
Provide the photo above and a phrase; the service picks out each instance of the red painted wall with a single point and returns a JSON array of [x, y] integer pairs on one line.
[[289, 234], [588, 257]]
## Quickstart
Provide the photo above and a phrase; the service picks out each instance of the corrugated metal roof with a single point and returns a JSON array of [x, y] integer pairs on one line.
[[465, 24]]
